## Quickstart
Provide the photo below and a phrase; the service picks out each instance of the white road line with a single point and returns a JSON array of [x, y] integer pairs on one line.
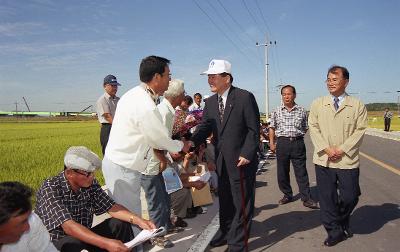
[[205, 237]]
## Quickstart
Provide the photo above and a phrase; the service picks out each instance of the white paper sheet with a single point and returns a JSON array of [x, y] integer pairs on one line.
[[144, 236]]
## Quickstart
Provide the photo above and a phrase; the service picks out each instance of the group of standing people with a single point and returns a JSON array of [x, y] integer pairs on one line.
[[140, 144], [337, 123]]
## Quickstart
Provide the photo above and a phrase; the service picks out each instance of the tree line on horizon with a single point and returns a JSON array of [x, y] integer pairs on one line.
[[381, 106]]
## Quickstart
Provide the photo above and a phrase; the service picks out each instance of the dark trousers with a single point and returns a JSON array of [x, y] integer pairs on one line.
[[295, 151], [110, 228], [158, 200], [230, 208], [104, 135], [338, 191], [387, 123]]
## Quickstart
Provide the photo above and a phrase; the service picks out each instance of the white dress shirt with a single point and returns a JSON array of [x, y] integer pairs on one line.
[[36, 239], [137, 129]]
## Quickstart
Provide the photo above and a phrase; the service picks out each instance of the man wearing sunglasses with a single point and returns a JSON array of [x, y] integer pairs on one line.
[[67, 202]]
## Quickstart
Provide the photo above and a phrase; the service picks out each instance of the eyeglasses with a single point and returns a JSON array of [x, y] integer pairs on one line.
[[333, 80], [83, 173]]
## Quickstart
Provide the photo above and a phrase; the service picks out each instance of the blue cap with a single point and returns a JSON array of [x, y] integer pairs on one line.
[[111, 79]]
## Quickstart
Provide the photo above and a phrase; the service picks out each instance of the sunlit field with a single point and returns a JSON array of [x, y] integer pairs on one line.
[[32, 151], [375, 120]]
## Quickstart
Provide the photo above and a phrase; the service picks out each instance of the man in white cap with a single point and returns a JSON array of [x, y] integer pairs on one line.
[[105, 107], [232, 116], [67, 202]]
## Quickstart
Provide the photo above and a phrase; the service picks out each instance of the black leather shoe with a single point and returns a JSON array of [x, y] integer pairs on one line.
[[218, 240], [285, 200], [330, 241], [348, 232], [311, 204]]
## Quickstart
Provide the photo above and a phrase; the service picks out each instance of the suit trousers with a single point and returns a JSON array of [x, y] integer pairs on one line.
[[230, 208], [104, 135], [295, 151], [387, 123], [110, 228], [338, 191]]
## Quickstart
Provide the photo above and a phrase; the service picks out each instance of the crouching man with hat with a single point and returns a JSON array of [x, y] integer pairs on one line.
[[66, 204]]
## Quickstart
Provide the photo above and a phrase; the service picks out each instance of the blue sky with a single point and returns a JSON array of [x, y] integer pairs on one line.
[[56, 53]]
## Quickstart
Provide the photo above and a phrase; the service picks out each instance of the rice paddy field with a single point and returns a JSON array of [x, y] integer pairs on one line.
[[33, 150]]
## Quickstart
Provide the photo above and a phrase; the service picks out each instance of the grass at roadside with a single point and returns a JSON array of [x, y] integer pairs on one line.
[[375, 120], [32, 151]]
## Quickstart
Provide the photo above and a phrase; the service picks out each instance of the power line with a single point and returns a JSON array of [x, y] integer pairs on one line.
[[240, 27], [252, 17], [222, 31], [231, 29], [263, 18]]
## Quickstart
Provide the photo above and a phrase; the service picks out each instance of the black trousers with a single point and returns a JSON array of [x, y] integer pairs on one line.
[[387, 123], [110, 228], [104, 135], [338, 191], [230, 208], [295, 151]]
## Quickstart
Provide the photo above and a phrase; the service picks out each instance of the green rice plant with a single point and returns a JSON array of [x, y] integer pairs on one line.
[[33, 151]]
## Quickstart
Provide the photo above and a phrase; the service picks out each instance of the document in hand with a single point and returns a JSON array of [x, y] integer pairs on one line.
[[144, 236], [171, 180], [203, 177]]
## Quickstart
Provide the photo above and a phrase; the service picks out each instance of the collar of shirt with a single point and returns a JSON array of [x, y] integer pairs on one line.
[[169, 106], [341, 98], [225, 96], [65, 186], [109, 97], [151, 92], [282, 107]]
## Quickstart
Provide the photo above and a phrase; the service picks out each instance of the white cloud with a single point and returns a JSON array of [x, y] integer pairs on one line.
[[20, 28]]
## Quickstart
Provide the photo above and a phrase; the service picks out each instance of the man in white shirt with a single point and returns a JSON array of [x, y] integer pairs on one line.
[[197, 103], [137, 130], [20, 229], [152, 181]]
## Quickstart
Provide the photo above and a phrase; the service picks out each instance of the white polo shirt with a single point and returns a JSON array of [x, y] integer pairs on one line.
[[137, 129]]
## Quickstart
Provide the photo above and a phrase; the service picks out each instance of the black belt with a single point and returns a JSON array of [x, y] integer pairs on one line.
[[106, 124], [291, 138]]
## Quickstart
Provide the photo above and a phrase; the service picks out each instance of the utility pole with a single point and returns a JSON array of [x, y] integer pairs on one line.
[[398, 104], [267, 43], [16, 108]]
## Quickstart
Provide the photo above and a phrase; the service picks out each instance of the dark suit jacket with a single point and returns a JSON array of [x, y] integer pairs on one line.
[[237, 135]]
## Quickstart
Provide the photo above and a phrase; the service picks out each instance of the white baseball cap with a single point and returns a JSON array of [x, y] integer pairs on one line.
[[218, 66], [81, 158]]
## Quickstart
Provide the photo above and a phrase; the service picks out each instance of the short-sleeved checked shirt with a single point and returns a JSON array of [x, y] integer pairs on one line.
[[57, 203], [291, 123]]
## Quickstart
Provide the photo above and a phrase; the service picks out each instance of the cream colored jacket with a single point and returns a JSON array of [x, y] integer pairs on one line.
[[344, 128]]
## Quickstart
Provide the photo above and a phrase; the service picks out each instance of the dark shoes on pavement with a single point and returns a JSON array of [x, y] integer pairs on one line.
[[179, 222], [311, 204], [332, 241], [218, 240], [285, 200]]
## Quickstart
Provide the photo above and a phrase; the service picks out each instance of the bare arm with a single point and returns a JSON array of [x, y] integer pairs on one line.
[[120, 212], [271, 134], [108, 117]]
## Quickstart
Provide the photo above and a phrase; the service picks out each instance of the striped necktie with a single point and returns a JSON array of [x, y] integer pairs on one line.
[[336, 103], [221, 108]]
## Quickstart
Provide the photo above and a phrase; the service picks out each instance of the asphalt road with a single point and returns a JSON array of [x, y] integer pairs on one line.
[[375, 221]]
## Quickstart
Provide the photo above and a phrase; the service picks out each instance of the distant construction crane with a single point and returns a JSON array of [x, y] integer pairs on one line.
[[26, 104], [88, 107]]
